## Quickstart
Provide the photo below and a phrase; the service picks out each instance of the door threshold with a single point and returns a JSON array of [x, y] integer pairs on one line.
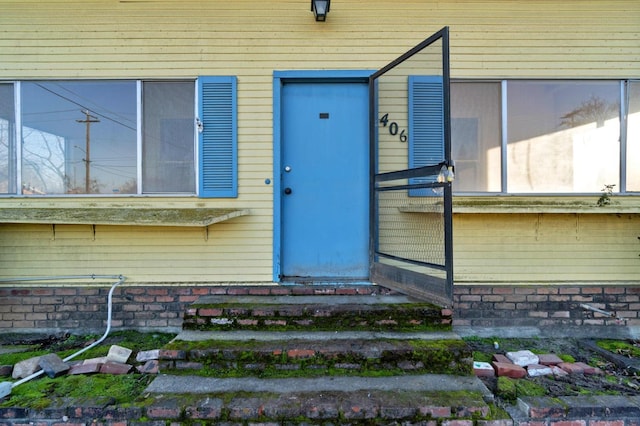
[[326, 282]]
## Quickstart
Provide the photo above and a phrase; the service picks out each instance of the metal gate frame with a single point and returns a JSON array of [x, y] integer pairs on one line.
[[412, 278]]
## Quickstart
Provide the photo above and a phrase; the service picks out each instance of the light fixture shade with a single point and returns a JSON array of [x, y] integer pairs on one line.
[[320, 9]]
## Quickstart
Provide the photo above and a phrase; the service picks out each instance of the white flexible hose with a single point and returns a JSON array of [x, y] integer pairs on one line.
[[121, 279]]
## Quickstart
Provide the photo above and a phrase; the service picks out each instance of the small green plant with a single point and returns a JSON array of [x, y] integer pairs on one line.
[[605, 197]]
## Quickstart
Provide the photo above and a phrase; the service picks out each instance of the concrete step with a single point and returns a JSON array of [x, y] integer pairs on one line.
[[317, 313], [302, 359], [338, 400], [283, 354]]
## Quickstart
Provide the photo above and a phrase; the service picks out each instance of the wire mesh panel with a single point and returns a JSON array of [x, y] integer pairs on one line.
[[411, 189]]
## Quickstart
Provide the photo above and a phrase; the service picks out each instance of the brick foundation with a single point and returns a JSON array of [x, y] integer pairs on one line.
[[542, 310], [547, 310]]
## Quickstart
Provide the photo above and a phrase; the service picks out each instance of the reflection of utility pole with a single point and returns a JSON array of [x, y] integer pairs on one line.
[[87, 152]]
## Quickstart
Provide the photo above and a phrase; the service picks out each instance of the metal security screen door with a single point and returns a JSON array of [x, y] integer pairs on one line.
[[411, 213]]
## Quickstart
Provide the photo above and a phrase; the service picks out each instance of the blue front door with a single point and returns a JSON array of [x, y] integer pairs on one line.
[[324, 181]]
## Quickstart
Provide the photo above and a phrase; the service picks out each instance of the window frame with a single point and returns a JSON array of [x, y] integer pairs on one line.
[[504, 108], [198, 169]]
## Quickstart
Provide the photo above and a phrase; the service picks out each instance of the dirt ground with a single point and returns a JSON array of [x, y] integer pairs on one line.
[[617, 379]]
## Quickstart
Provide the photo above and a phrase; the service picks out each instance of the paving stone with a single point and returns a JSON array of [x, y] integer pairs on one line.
[[118, 354], [115, 368], [523, 358], [83, 368], [26, 368], [53, 365], [587, 369], [549, 359], [150, 367], [6, 370], [571, 368], [501, 358], [143, 356], [535, 370], [483, 369], [509, 370], [98, 360], [558, 372]]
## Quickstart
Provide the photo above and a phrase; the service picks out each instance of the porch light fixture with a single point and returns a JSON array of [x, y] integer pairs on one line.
[[320, 9]]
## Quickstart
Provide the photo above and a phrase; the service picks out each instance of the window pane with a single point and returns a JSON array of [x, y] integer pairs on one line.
[[168, 137], [563, 136], [476, 136], [633, 137], [7, 140], [79, 137]]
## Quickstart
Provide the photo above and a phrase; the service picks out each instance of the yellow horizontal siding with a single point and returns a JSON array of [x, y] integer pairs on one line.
[[546, 247]]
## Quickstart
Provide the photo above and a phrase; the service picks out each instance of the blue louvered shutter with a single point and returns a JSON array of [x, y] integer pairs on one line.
[[426, 124], [218, 140]]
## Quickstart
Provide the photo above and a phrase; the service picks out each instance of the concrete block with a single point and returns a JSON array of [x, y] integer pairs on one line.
[[509, 370], [26, 368], [115, 368], [535, 370], [143, 356], [53, 365], [483, 369], [587, 369], [523, 358], [118, 354], [549, 359]]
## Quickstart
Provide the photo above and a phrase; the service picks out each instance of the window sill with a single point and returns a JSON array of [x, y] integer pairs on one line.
[[520, 205], [189, 217]]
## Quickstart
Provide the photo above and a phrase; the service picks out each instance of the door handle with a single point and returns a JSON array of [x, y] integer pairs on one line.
[[287, 191]]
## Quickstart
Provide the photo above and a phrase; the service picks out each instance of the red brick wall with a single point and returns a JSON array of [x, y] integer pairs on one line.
[[80, 310], [554, 309]]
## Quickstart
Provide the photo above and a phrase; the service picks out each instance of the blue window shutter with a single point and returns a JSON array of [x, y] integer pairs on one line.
[[218, 140], [426, 125]]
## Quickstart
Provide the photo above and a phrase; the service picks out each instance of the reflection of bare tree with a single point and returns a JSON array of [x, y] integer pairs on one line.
[[44, 160], [593, 110]]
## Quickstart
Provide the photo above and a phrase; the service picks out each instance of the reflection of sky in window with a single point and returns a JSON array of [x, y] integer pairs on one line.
[[51, 113]]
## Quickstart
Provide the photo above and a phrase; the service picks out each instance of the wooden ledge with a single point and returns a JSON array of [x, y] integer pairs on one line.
[[193, 217]]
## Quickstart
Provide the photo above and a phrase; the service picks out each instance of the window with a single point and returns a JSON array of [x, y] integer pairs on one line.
[[545, 136], [116, 137], [7, 139], [633, 136]]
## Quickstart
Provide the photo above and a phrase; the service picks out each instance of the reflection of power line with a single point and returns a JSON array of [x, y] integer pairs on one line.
[[89, 119], [106, 117]]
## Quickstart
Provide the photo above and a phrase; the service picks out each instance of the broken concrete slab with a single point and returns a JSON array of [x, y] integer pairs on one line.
[[26, 368], [53, 365], [118, 354], [523, 358], [143, 356], [536, 370]]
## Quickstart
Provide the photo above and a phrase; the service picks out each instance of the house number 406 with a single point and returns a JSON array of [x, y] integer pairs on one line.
[[393, 128]]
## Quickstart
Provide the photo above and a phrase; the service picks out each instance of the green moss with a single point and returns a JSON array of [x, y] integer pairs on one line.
[[566, 358], [620, 347], [510, 389]]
